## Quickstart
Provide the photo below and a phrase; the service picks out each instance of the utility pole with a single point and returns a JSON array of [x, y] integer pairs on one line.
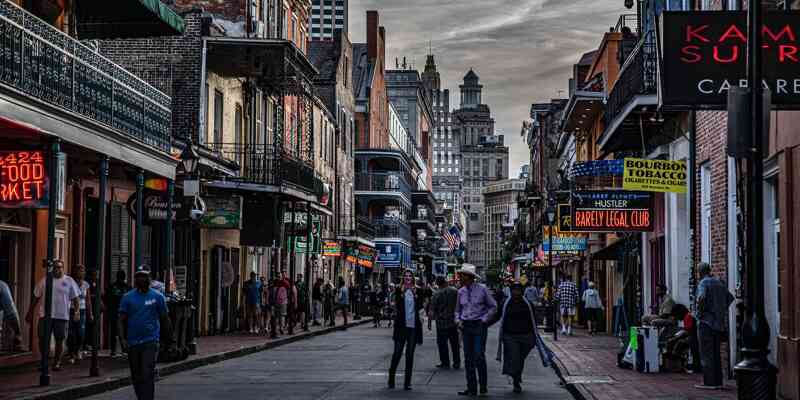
[[755, 377]]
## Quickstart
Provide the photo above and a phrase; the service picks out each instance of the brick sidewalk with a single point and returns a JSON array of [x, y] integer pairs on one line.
[[589, 365], [73, 381]]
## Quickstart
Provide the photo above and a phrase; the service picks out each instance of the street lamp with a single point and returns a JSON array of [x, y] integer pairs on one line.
[[190, 160], [551, 217]]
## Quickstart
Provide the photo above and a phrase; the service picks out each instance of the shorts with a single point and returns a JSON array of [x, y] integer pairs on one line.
[[251, 309], [280, 310], [58, 328], [266, 308], [568, 311], [593, 314]]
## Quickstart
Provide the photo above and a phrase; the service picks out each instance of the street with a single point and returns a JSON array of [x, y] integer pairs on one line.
[[348, 364]]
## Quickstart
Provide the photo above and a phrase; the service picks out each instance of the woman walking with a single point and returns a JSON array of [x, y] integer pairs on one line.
[[519, 334], [593, 306], [407, 328]]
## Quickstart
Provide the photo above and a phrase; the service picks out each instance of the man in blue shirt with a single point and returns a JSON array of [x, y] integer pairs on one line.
[[713, 300], [252, 300], [142, 313]]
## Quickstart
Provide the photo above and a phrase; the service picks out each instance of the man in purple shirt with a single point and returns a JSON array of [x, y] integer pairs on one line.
[[474, 308]]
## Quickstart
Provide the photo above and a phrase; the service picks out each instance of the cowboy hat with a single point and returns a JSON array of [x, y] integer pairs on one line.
[[468, 269]]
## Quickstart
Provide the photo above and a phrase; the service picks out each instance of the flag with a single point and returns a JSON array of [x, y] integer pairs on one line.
[[453, 237], [451, 241], [457, 235]]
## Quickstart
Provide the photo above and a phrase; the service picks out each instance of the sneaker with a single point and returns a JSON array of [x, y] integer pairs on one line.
[[483, 392]]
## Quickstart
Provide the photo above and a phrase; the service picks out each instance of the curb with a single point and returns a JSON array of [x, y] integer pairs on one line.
[[114, 383], [578, 391]]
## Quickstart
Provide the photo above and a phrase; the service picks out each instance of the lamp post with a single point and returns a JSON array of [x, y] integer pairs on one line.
[[551, 216], [191, 187]]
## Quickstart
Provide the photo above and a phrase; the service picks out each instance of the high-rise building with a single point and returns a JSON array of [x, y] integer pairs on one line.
[[446, 148], [500, 214], [484, 160], [326, 17]]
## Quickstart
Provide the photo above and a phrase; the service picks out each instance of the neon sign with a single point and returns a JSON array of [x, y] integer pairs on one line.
[[612, 211], [23, 180]]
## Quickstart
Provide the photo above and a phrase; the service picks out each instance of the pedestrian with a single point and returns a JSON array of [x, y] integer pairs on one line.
[[64, 308], [407, 333], [301, 305], [9, 317], [519, 334], [342, 302], [113, 297], [443, 308], [328, 294], [532, 294], [316, 299], [142, 320], [251, 291], [662, 315], [713, 300], [77, 329], [474, 308], [281, 308], [567, 297], [593, 306], [375, 306], [266, 305]]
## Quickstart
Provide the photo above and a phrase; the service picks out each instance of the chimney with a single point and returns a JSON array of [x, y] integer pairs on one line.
[[382, 34], [372, 34]]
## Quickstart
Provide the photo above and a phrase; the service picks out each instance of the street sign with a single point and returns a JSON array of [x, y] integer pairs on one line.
[[612, 211], [705, 54]]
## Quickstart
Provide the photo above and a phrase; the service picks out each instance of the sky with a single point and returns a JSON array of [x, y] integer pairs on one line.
[[523, 50]]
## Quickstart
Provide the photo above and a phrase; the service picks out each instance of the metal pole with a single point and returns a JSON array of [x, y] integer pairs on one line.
[[754, 375], [94, 370], [692, 208], [168, 234], [550, 264], [44, 350], [308, 269], [139, 218]]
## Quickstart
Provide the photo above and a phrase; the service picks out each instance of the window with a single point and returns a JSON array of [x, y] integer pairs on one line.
[[237, 127], [218, 110], [705, 212]]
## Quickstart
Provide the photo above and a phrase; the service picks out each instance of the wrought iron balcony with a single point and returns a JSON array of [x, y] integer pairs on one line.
[[637, 77], [269, 164], [428, 246], [391, 228], [41, 62], [359, 226], [382, 182]]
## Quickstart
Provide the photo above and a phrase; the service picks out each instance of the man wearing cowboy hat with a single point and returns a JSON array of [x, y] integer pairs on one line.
[[474, 308]]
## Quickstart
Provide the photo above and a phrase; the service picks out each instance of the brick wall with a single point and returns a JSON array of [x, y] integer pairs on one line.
[[711, 144], [170, 64]]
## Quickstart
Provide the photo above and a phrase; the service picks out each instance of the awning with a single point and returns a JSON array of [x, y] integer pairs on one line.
[[611, 252], [117, 19], [581, 111]]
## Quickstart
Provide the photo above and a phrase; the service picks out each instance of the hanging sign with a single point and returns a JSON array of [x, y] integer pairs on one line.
[[23, 180], [563, 241], [612, 211], [366, 256], [655, 175], [389, 254], [439, 267], [705, 54], [564, 218], [155, 206], [331, 248], [222, 213]]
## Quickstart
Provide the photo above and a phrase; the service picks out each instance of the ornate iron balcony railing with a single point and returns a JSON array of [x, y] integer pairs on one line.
[[44, 63], [356, 226], [638, 77], [382, 182], [269, 164], [391, 227]]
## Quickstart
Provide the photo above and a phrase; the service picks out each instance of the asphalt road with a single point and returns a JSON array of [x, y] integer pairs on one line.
[[349, 365]]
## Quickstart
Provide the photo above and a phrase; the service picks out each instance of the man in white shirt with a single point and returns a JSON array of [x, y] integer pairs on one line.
[[65, 296]]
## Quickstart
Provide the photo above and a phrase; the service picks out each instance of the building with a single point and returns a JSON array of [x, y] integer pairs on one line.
[[500, 214], [483, 158], [328, 16], [76, 154]]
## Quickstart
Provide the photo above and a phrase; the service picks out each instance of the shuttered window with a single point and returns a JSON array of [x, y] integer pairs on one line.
[[120, 240]]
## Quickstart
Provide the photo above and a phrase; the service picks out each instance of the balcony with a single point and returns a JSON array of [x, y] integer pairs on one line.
[[45, 65], [380, 183], [391, 228], [269, 164], [423, 216], [427, 247], [362, 228], [633, 92]]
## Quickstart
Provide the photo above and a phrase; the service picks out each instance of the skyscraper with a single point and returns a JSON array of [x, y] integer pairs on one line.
[[326, 17]]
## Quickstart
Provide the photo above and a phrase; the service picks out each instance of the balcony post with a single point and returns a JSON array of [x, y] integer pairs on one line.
[[94, 369], [138, 243]]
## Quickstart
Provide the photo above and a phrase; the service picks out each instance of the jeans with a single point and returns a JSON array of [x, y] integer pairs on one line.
[[710, 355], [443, 337], [142, 359], [77, 333], [317, 312], [475, 333], [409, 341]]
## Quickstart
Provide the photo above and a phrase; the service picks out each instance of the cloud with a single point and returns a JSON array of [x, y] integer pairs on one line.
[[523, 50]]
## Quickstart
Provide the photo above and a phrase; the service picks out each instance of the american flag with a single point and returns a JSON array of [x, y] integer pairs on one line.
[[453, 237]]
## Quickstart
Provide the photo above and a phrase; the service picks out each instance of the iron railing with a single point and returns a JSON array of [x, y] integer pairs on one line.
[[359, 226], [391, 228], [269, 164], [382, 182], [630, 21], [44, 63], [637, 77], [428, 245], [423, 213]]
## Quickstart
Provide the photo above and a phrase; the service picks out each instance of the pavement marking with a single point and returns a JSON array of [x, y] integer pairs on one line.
[[588, 380]]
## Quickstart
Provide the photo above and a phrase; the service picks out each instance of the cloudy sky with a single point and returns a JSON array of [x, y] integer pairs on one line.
[[522, 50]]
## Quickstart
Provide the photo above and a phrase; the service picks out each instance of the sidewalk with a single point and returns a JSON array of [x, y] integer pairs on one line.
[[587, 365], [73, 381]]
